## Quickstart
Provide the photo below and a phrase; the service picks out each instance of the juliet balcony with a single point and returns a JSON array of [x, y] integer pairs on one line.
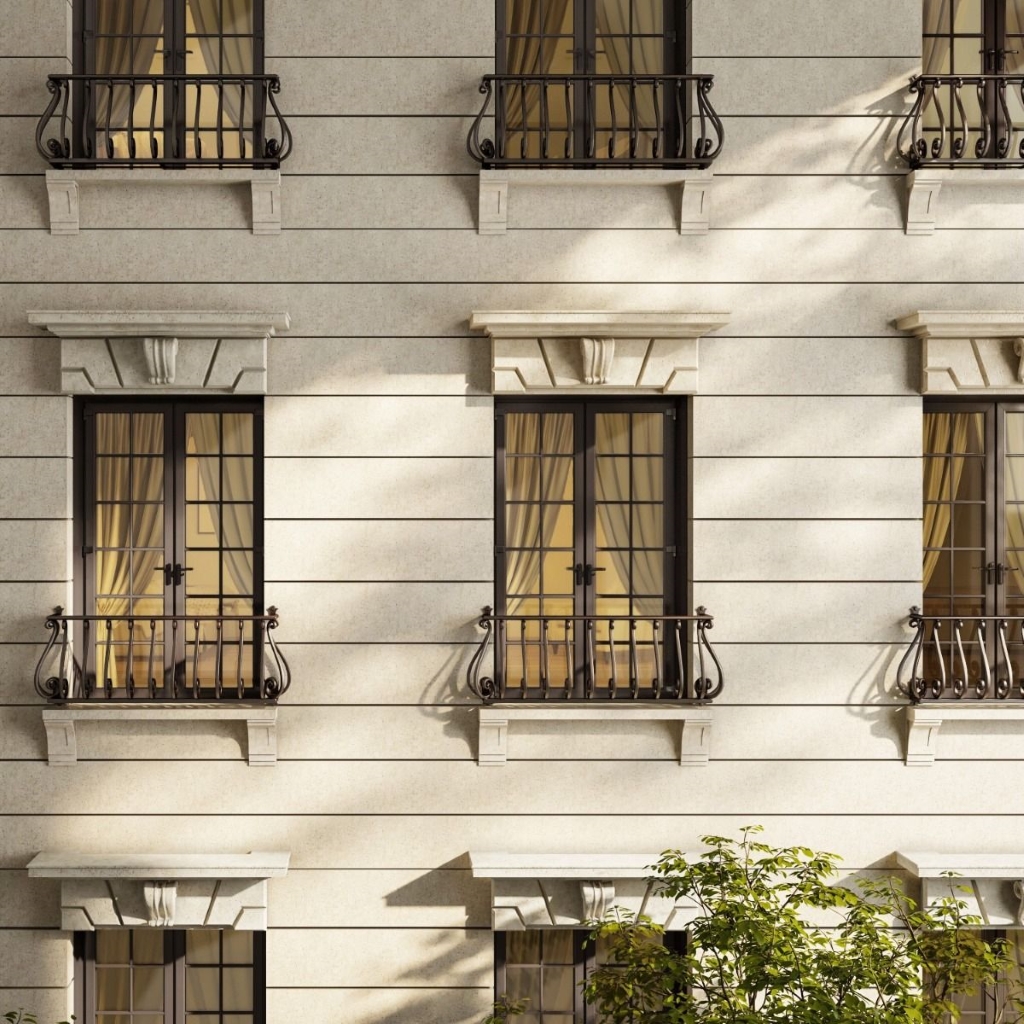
[[158, 668], [169, 121], [596, 120]]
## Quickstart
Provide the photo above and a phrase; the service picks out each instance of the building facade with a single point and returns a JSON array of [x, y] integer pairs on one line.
[[306, 361]]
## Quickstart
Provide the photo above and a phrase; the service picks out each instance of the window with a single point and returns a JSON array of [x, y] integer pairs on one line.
[[153, 976], [171, 524], [973, 37], [546, 967], [134, 106], [587, 527], [631, 112], [973, 562]]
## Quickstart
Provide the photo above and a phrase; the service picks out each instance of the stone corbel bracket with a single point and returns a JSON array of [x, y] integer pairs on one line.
[[195, 352], [226, 890], [652, 352], [557, 890], [693, 205], [63, 188], [925, 721], [924, 187], [969, 352], [989, 883]]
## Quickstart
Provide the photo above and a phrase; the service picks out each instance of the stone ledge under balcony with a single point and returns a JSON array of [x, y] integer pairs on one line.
[[924, 186], [63, 187], [925, 721], [496, 720], [61, 724]]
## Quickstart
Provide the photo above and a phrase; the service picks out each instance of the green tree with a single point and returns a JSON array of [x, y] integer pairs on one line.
[[774, 940]]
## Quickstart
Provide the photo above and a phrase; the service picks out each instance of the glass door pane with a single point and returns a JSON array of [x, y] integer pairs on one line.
[[129, 541]]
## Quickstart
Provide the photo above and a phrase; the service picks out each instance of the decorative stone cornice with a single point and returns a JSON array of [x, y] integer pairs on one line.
[[598, 352], [967, 351], [162, 890], [555, 890], [168, 350], [991, 884]]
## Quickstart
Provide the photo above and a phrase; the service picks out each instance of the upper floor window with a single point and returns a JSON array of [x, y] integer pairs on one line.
[[171, 527], [156, 976], [591, 81]]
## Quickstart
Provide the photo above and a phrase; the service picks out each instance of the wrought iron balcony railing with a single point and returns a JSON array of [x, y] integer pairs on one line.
[[964, 121], [161, 657], [591, 120], [597, 657], [952, 657], [163, 121]]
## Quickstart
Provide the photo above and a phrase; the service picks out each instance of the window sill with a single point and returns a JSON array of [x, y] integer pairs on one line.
[[988, 884], [694, 191], [923, 188], [260, 721], [62, 187], [496, 720], [924, 722]]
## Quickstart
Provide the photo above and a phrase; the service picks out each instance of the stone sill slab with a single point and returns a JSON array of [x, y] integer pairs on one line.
[[260, 720], [925, 720], [694, 191], [68, 864], [496, 720], [923, 188], [63, 187], [584, 866]]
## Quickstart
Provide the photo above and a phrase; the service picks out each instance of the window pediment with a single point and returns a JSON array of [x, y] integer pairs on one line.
[[162, 890]]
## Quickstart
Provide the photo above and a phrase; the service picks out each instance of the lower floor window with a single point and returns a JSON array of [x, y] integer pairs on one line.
[[156, 976], [545, 968]]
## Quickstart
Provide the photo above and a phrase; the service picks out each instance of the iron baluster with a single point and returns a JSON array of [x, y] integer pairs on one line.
[[545, 126], [570, 668], [984, 683], [154, 149], [656, 682], [938, 685], [1006, 132], [239, 681], [659, 126], [220, 120], [131, 119], [152, 652], [110, 113], [981, 147], [589, 120], [243, 92], [613, 137], [959, 682], [544, 657], [613, 676], [680, 121], [84, 685], [634, 667], [590, 680], [195, 662], [503, 647], [566, 93], [523, 124], [524, 681], [63, 672], [958, 146], [683, 676], [634, 119], [197, 140], [129, 675], [218, 664], [1002, 690], [709, 689], [909, 687], [174, 658]]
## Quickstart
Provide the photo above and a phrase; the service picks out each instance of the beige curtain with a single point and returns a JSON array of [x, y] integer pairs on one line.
[[613, 30], [125, 55], [525, 525], [126, 572], [237, 56], [524, 56], [941, 479], [647, 566]]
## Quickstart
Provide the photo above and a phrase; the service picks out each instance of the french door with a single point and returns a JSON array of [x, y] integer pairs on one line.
[[586, 527], [171, 526], [551, 116], [973, 563], [119, 40]]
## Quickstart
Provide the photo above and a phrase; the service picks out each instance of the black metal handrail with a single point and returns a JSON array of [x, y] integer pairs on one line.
[[61, 676], [664, 110], [659, 667], [952, 656], [172, 123], [937, 132]]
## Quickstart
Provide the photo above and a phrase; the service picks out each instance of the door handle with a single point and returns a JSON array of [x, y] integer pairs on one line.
[[584, 574], [175, 574]]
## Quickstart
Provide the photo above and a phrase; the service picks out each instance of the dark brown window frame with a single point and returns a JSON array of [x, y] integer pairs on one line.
[[84, 951], [84, 26], [174, 523], [584, 963]]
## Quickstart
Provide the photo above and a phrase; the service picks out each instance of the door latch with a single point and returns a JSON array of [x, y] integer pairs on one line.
[[175, 574], [584, 574]]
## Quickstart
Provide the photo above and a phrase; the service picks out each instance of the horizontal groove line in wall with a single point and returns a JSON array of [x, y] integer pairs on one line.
[[348, 582], [896, 704], [752, 815], [379, 988]]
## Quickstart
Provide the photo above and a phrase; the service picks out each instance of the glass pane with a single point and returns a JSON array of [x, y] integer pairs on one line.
[[113, 479], [522, 947], [113, 523], [112, 987], [968, 478], [112, 946], [113, 433], [612, 526], [237, 479], [967, 15], [558, 526], [613, 575], [523, 983], [202, 479], [237, 429], [147, 526], [237, 988], [202, 526], [202, 432], [1014, 526], [557, 988], [236, 573], [522, 479], [557, 573], [148, 988], [648, 572], [522, 432], [147, 944], [202, 987], [237, 946], [612, 433], [148, 433], [148, 479], [203, 576], [558, 948], [202, 947], [648, 478], [612, 483], [648, 529], [648, 433]]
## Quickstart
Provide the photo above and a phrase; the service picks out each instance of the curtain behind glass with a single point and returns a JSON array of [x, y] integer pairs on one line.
[[941, 480], [525, 55], [522, 567], [648, 53], [126, 55], [237, 52]]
